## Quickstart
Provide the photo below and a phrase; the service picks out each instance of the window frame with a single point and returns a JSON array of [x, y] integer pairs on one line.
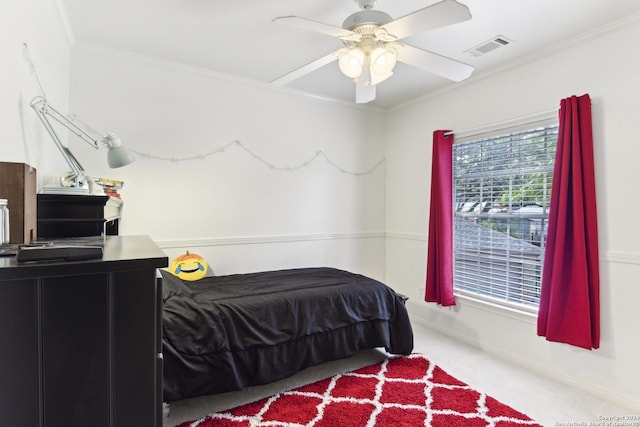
[[550, 123]]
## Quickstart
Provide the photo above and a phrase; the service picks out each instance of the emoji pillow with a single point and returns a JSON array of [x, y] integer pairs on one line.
[[189, 266]]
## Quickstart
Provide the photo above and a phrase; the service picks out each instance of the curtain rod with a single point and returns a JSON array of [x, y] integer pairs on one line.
[[544, 115]]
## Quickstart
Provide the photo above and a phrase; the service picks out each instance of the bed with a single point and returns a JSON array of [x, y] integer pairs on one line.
[[225, 333]]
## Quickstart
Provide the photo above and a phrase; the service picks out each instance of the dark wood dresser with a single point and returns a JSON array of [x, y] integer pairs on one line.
[[80, 341]]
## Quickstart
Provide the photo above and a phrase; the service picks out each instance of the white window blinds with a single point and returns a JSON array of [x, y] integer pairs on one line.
[[502, 187]]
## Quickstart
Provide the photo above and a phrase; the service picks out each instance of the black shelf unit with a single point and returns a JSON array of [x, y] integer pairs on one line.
[[73, 215], [81, 340]]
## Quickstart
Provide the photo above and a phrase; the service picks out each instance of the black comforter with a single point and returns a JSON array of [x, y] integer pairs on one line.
[[227, 332]]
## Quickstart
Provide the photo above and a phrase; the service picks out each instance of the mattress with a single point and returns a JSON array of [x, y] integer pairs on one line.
[[225, 333]]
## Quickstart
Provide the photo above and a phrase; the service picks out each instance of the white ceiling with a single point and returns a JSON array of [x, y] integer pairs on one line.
[[237, 38]]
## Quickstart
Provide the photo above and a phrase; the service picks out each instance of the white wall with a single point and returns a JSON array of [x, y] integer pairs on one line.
[[604, 66], [40, 25], [238, 212]]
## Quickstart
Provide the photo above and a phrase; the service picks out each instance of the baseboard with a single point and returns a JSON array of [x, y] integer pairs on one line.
[[544, 370]]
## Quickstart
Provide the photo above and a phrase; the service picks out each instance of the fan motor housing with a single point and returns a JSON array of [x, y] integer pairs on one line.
[[365, 17]]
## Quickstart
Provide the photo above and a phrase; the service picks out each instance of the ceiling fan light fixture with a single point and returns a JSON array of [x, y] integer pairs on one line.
[[350, 61], [373, 45], [383, 60]]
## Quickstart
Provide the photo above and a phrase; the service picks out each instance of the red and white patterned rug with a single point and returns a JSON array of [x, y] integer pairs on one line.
[[400, 392]]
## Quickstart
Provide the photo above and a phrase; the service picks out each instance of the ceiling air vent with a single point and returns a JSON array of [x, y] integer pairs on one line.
[[489, 46]]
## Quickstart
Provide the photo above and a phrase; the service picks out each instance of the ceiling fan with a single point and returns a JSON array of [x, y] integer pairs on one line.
[[371, 38]]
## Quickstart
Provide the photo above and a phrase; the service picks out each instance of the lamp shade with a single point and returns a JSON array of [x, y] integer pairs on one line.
[[350, 62], [118, 155], [383, 60]]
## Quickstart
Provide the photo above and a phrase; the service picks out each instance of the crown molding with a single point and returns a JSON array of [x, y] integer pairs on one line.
[[525, 59]]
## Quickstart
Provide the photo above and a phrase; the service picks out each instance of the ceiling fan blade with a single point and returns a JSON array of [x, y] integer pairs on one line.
[[434, 63], [447, 12], [317, 27], [306, 69]]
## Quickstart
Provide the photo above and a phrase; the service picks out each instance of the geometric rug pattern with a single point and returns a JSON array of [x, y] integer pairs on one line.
[[403, 391]]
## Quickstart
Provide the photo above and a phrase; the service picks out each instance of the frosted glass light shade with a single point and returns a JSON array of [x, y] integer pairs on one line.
[[350, 62], [383, 60]]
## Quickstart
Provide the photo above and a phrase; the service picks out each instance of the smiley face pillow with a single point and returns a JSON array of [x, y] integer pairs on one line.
[[189, 266]]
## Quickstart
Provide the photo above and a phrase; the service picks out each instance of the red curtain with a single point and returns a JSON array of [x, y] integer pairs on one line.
[[439, 283], [570, 301]]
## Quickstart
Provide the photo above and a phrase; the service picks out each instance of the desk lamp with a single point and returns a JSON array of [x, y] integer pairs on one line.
[[117, 155]]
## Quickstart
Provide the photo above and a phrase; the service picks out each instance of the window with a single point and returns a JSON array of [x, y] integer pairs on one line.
[[502, 187]]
